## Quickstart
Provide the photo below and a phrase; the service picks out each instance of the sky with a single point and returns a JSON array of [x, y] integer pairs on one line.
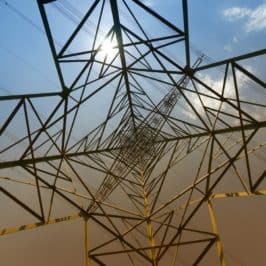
[[219, 29], [230, 27]]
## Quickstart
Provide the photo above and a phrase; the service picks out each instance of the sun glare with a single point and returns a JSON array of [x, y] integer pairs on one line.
[[108, 48]]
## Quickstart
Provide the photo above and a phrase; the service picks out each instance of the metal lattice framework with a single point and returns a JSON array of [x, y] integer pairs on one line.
[[139, 141]]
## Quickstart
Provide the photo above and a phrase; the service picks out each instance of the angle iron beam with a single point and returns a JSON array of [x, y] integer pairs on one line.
[[117, 29], [232, 59]]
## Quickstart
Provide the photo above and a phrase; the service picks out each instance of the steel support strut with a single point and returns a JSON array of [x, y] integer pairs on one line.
[[148, 221], [219, 244]]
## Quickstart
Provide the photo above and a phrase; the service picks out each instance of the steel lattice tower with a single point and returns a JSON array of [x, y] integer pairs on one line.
[[138, 141]]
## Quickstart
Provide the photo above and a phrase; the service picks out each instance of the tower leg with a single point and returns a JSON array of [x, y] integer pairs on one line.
[[149, 224], [86, 243], [219, 245]]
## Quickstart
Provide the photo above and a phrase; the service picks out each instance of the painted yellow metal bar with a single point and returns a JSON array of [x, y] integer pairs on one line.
[[224, 195], [238, 194], [86, 242], [149, 224], [16, 229], [219, 245], [79, 195]]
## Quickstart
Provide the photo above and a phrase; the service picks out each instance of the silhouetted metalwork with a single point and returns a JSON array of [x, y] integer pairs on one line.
[[169, 138]]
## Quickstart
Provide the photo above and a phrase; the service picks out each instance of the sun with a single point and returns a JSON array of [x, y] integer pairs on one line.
[[109, 48]]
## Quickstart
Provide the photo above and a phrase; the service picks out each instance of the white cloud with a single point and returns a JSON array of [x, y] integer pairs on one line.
[[255, 19], [229, 92], [235, 13], [235, 39], [148, 3], [228, 48]]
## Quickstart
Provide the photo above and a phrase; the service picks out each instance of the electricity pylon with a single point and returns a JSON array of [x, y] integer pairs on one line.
[[139, 141]]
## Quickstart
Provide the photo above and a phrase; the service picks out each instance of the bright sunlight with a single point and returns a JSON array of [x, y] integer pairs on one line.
[[109, 48]]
